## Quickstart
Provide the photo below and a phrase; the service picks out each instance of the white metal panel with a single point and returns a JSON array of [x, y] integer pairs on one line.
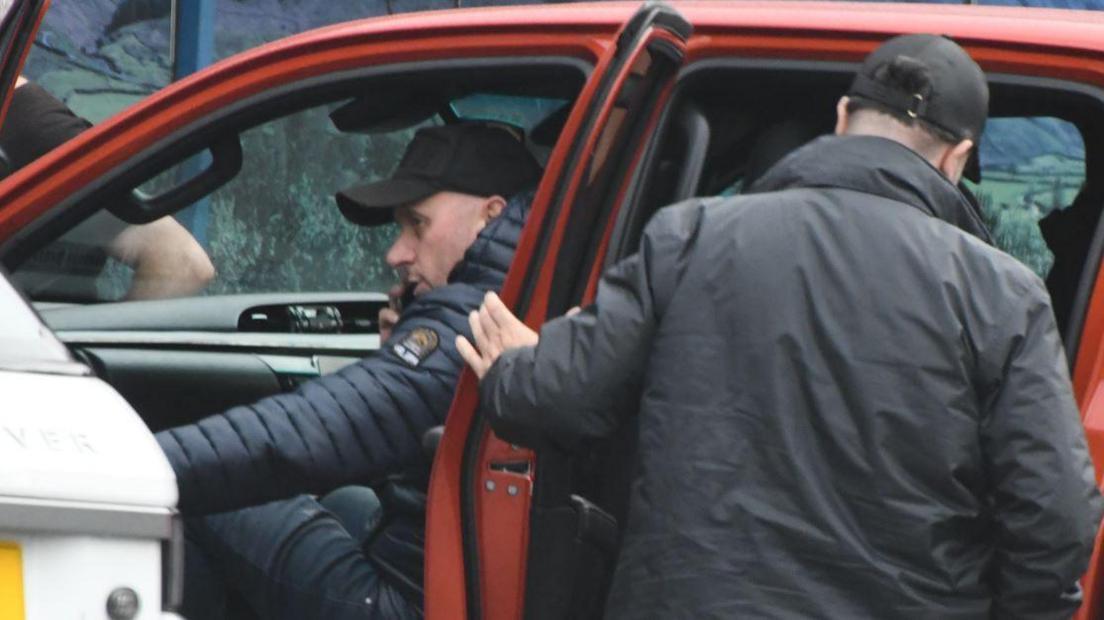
[[74, 438]]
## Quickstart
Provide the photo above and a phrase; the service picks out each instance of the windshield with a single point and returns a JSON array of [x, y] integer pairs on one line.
[[24, 340]]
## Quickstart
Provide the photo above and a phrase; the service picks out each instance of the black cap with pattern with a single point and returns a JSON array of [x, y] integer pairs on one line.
[[953, 95], [478, 158]]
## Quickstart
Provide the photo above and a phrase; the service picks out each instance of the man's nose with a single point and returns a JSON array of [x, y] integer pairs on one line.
[[401, 252]]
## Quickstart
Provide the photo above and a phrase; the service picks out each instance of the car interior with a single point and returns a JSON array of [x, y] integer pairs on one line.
[[739, 134], [264, 327], [728, 122]]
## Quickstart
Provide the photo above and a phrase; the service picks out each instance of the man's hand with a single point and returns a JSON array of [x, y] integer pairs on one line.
[[389, 315], [496, 329]]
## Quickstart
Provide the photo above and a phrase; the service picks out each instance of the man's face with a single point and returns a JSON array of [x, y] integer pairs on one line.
[[435, 233]]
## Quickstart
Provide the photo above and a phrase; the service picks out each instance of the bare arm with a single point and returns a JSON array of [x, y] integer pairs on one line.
[[167, 260]]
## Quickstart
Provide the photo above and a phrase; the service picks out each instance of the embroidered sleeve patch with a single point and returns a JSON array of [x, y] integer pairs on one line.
[[416, 346]]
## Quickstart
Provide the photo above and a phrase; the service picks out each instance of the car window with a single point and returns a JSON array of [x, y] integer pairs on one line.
[[1030, 168], [524, 112], [100, 57], [274, 227], [23, 338]]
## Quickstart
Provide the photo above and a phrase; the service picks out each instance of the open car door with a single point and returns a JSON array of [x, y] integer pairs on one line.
[[19, 20], [1088, 383], [503, 542]]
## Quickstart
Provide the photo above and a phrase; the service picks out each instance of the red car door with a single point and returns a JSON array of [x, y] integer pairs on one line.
[[1088, 381], [488, 514], [472, 519]]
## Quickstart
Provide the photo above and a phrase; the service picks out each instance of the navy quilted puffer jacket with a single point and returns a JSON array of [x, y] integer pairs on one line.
[[359, 425]]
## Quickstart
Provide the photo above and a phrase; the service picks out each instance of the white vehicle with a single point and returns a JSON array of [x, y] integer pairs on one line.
[[87, 526]]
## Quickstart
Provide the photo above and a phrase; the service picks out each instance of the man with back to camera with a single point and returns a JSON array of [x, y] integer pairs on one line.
[[849, 405], [304, 558]]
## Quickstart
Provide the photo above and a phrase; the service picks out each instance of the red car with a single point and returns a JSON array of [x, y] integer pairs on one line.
[[634, 107]]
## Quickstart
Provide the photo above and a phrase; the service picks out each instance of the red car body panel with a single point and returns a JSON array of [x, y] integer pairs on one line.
[[502, 552], [1057, 44]]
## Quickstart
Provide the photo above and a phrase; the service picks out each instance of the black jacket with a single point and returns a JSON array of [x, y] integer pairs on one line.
[[849, 405]]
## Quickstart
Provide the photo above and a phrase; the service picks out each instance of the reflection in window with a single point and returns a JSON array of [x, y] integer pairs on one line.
[[276, 226], [1029, 168], [524, 112], [100, 57]]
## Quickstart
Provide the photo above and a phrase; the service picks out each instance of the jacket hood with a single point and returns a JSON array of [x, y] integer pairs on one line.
[[877, 166], [488, 259]]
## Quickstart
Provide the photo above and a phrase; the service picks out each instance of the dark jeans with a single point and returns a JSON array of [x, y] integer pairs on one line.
[[296, 559]]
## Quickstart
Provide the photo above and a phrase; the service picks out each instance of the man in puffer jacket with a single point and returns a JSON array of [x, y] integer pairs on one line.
[[363, 425], [849, 405]]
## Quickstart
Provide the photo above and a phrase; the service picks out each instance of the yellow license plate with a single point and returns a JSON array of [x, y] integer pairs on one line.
[[11, 582]]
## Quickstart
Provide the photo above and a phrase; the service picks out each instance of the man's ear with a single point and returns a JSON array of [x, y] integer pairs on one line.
[[954, 160], [493, 208], [843, 119]]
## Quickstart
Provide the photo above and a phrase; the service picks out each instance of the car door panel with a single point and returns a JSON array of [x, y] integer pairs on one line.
[[503, 524], [1088, 382], [1093, 581], [625, 125]]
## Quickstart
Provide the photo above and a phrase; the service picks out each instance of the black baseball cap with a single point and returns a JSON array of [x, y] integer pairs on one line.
[[478, 158], [955, 97]]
